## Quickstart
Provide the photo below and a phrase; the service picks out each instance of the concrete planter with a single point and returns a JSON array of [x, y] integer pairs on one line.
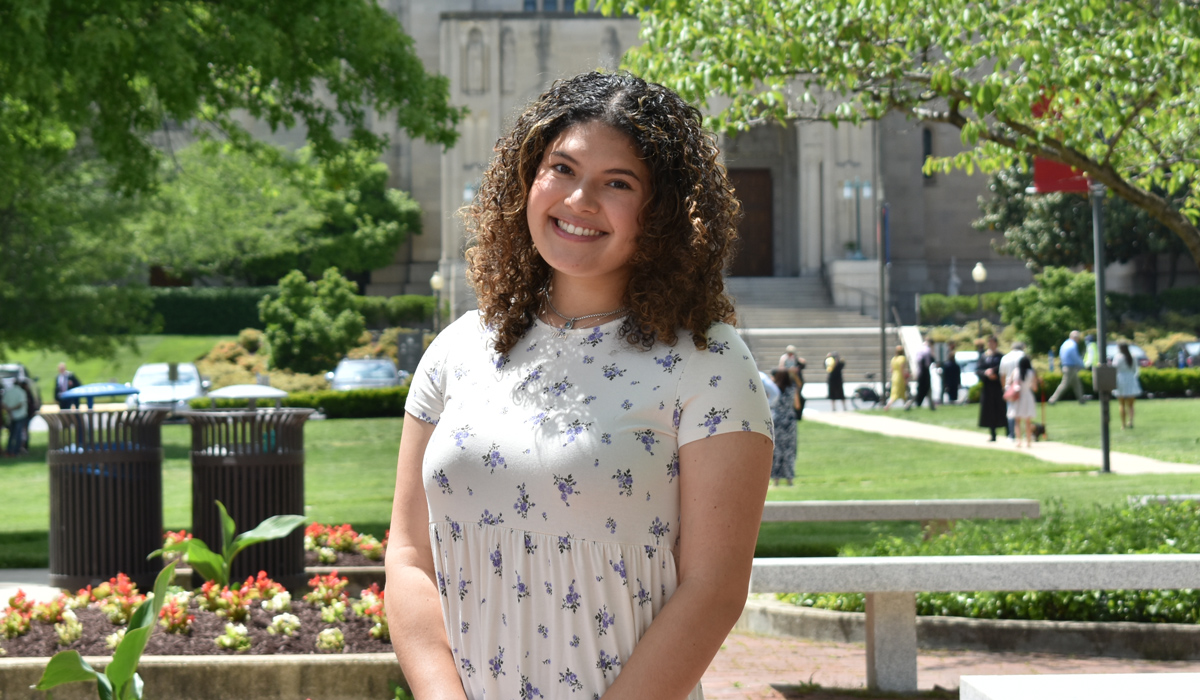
[[1128, 640], [276, 677]]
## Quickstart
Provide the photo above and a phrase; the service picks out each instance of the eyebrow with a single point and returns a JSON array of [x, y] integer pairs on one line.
[[612, 171]]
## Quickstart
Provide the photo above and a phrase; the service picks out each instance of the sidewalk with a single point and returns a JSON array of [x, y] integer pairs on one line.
[[1049, 451]]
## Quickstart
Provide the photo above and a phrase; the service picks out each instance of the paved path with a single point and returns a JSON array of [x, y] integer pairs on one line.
[[1049, 451]]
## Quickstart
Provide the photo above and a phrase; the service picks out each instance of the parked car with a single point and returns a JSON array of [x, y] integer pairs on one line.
[[968, 361], [1139, 355], [365, 374], [159, 388]]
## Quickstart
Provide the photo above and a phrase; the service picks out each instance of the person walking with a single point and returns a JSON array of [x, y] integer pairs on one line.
[[1091, 354], [795, 367], [1128, 385], [837, 389], [1008, 363], [783, 414], [1021, 384], [900, 375], [925, 363], [991, 396], [1071, 362], [951, 376], [16, 404], [65, 381]]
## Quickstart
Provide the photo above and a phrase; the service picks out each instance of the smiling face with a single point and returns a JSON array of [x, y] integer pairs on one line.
[[585, 203]]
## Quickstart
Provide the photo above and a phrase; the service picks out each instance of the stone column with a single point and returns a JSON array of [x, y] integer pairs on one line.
[[892, 642]]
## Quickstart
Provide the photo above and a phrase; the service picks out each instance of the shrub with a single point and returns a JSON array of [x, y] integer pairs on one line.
[[311, 325], [356, 403], [1058, 302], [251, 339], [399, 310], [209, 310]]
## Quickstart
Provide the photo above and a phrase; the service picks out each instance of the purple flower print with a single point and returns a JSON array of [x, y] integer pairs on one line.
[[462, 586], [564, 544], [532, 347], [587, 400], [659, 529], [460, 436], [523, 503], [607, 663], [500, 362], [624, 482], [611, 525], [538, 419], [435, 374], [571, 601], [588, 359], [549, 588], [668, 362], [534, 375], [428, 418], [753, 386], [647, 438], [642, 596], [594, 338], [611, 372], [530, 547], [713, 380], [497, 561], [544, 631], [441, 584], [571, 680], [521, 588], [596, 463], [459, 372], [619, 567], [488, 519], [574, 430], [626, 404], [558, 388], [496, 663], [455, 529], [492, 458], [673, 467], [675, 418], [442, 481], [603, 620], [574, 641], [718, 348], [528, 692], [566, 487], [649, 551], [714, 418], [745, 426], [647, 496], [606, 438], [466, 666]]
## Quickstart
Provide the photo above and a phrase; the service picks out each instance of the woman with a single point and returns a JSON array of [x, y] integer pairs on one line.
[[584, 460], [1128, 385], [783, 414], [900, 375], [993, 413], [833, 368], [1021, 410]]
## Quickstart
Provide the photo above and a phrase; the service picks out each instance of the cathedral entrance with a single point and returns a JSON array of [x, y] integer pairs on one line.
[[755, 248]]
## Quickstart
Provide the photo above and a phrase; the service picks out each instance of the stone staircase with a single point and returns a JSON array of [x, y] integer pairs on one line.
[[774, 312]]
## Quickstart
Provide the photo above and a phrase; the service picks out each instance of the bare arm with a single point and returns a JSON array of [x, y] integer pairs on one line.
[[723, 483], [413, 609]]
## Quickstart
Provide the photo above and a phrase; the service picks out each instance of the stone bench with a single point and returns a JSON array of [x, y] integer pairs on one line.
[[891, 583], [924, 510]]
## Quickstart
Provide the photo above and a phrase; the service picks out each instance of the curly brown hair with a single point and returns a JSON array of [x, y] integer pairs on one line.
[[689, 222]]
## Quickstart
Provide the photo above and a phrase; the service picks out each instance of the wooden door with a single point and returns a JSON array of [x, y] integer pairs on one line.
[[754, 255]]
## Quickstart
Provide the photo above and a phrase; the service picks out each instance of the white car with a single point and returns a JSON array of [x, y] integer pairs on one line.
[[968, 361], [159, 387]]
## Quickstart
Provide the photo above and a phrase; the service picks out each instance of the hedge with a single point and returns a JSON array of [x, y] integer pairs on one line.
[[208, 310], [403, 310], [1154, 380], [355, 403]]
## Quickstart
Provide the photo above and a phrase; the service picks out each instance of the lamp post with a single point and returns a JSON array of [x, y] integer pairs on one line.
[[857, 189], [436, 283], [979, 274]]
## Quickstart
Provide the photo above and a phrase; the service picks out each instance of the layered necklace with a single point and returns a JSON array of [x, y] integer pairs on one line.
[[570, 320]]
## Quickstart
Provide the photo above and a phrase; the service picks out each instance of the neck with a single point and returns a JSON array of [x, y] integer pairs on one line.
[[573, 297]]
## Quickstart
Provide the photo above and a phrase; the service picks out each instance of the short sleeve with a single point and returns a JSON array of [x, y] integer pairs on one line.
[[721, 390], [427, 391]]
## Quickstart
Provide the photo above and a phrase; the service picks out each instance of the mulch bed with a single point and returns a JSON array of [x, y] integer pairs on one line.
[[343, 559], [43, 641]]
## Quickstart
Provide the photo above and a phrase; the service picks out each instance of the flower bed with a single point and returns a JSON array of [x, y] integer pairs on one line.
[[256, 617], [340, 545]]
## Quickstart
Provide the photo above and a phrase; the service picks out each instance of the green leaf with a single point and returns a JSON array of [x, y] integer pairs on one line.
[[123, 667], [272, 528], [65, 667], [207, 563], [228, 529]]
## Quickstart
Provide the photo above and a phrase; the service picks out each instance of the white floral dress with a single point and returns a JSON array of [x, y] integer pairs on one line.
[[552, 478]]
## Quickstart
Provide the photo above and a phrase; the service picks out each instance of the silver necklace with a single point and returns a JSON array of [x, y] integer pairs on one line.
[[570, 320]]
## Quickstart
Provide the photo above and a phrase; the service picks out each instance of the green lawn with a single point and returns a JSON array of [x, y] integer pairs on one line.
[[1166, 429], [150, 348], [350, 473]]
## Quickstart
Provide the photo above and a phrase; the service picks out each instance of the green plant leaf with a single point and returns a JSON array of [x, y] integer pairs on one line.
[[272, 528], [65, 667], [207, 563], [136, 687], [123, 667], [228, 529], [180, 546]]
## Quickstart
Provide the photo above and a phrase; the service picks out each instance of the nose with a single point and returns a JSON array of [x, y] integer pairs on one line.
[[581, 199]]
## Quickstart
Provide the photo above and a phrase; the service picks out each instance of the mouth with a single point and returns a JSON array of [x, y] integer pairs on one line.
[[577, 230]]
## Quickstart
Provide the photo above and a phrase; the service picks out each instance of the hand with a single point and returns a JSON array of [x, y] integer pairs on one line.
[[991, 373]]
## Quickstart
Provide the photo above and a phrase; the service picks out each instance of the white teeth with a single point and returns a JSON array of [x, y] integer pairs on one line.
[[576, 230]]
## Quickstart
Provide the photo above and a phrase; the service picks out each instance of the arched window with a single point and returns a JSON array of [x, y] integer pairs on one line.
[[475, 65], [508, 61]]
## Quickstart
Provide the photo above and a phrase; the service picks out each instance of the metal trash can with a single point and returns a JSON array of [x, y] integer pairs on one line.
[[253, 462], [105, 495]]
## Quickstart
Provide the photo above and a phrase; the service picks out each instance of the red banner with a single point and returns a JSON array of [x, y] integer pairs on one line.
[[1052, 176]]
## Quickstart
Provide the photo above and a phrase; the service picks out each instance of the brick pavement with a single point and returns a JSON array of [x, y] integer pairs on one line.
[[749, 667]]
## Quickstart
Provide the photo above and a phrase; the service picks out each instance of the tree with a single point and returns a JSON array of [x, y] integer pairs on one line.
[[1056, 229], [1116, 84], [220, 212], [311, 325], [1058, 302], [82, 80]]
